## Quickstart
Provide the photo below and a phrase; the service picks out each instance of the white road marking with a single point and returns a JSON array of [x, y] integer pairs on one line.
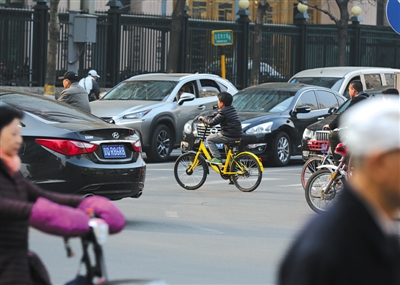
[[171, 214]]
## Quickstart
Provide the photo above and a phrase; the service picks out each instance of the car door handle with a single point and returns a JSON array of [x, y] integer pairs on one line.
[[320, 118], [202, 107]]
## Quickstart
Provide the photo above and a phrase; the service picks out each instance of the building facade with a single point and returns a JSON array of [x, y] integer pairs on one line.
[[279, 12]]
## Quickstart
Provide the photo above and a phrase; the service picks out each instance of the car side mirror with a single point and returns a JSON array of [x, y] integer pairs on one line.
[[101, 95], [186, 97], [332, 110], [303, 109]]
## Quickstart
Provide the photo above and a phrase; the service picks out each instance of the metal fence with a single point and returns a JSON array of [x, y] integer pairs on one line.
[[127, 45]]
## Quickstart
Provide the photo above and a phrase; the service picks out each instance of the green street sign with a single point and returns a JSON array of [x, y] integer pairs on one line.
[[222, 37]]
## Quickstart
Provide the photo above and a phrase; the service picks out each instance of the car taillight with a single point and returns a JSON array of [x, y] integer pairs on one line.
[[137, 146], [67, 147]]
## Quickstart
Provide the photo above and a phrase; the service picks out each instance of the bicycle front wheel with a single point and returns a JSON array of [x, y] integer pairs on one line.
[[249, 173], [317, 198], [309, 167], [190, 174]]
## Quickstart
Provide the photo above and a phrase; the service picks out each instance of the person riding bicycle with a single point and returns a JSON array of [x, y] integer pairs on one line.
[[231, 128], [357, 95]]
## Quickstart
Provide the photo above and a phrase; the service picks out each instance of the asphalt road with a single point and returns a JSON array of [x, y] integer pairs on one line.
[[213, 235]]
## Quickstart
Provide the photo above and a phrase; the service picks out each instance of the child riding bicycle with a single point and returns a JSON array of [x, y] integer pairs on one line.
[[231, 128]]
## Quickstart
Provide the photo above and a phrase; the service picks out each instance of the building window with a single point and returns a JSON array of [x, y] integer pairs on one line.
[[199, 10], [225, 12]]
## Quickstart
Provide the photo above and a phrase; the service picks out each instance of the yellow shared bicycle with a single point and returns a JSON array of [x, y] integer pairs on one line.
[[244, 169]]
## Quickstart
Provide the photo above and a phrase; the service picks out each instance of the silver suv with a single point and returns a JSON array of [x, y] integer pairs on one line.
[[154, 106]]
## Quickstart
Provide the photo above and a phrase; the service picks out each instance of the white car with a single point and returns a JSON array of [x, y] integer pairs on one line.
[[338, 78], [266, 70], [153, 105]]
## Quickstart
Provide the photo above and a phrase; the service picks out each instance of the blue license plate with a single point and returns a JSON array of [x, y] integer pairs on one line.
[[114, 151], [219, 145]]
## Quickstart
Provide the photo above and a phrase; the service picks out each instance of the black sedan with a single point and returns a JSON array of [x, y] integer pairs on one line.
[[274, 116], [315, 140], [67, 150]]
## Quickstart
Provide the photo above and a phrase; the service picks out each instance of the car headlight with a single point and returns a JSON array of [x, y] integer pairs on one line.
[[260, 129], [136, 116], [308, 134], [187, 128]]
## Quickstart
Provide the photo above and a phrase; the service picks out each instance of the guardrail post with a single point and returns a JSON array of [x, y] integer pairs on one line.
[[301, 22], [113, 43], [356, 47], [243, 49], [39, 42], [184, 41]]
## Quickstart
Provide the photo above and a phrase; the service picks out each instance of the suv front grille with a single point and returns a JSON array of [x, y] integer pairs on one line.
[[322, 135]]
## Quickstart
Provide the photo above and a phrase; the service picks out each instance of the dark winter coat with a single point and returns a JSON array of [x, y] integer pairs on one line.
[[343, 246], [229, 121], [360, 97], [76, 96], [17, 196]]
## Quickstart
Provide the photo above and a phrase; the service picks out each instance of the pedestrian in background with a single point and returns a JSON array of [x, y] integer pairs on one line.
[[73, 93], [357, 240], [89, 83]]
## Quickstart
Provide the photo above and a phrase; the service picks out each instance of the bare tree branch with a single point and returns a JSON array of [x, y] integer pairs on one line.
[[323, 11]]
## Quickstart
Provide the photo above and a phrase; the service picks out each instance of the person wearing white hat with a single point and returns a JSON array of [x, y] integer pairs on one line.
[[357, 240], [89, 83]]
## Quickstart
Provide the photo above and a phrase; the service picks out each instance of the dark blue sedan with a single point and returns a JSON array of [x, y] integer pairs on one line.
[[275, 115]]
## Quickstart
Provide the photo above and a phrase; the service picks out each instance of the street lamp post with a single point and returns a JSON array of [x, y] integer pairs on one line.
[[356, 12], [356, 46], [301, 17], [301, 20]]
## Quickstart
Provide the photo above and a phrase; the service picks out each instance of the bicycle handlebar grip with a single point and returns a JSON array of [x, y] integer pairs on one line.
[[106, 210], [57, 219]]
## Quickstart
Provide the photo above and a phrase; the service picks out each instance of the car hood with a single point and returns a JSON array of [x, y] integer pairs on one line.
[[112, 108], [252, 118]]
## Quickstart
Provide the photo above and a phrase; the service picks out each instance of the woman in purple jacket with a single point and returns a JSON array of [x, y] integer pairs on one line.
[[23, 204]]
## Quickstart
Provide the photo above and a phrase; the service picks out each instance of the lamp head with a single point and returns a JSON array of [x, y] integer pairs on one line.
[[302, 8], [243, 4], [356, 11]]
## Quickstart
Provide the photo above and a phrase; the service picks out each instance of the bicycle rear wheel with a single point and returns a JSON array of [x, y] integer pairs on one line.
[[190, 180], [250, 172], [309, 167], [315, 196]]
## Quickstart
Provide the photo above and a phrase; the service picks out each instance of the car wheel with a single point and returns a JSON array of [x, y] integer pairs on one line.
[[281, 150], [161, 144]]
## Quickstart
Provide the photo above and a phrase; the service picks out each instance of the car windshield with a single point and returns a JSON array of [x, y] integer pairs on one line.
[[141, 90], [48, 109], [263, 100], [333, 83]]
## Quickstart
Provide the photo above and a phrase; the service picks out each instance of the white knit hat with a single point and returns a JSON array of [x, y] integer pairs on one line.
[[93, 73], [373, 126]]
